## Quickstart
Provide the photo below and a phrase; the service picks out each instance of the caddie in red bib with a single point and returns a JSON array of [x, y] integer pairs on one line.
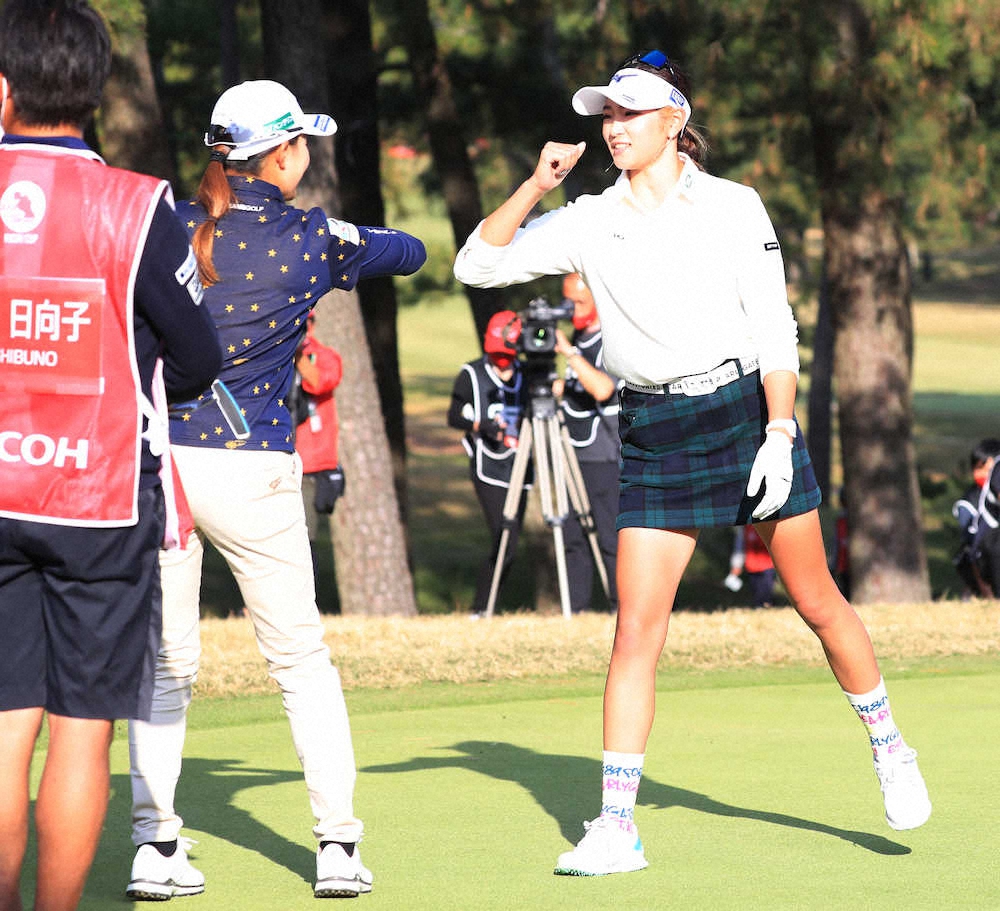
[[70, 420]]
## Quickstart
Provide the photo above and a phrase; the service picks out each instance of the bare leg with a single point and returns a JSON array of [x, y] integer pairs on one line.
[[69, 812], [796, 545], [650, 565], [18, 732]]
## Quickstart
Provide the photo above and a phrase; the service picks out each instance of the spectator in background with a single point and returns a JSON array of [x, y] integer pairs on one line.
[[318, 371], [977, 560], [750, 558], [589, 403], [487, 403], [102, 251]]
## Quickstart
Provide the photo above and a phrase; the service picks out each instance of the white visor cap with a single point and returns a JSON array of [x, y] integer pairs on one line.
[[636, 90], [258, 115]]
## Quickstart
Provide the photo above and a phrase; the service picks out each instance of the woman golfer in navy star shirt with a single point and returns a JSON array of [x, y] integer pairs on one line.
[[265, 264]]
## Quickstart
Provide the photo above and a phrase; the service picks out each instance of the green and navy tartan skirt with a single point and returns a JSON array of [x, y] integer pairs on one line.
[[686, 460]]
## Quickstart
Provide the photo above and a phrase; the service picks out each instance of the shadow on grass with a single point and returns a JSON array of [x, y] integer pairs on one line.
[[556, 781], [211, 786]]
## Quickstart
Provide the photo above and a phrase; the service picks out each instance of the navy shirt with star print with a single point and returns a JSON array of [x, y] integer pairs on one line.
[[274, 263]]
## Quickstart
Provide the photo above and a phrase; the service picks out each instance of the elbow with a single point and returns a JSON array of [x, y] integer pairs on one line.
[[469, 277], [416, 259]]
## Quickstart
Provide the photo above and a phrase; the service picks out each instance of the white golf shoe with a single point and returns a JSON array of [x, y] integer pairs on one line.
[[339, 874], [907, 804], [156, 878], [606, 848]]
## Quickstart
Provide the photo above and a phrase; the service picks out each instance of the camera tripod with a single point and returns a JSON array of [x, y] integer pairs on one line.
[[544, 436]]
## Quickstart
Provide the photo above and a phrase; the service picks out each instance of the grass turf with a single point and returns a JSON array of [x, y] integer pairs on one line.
[[758, 793]]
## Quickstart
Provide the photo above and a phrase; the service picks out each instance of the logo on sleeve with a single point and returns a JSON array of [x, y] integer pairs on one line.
[[187, 277], [344, 230], [772, 245]]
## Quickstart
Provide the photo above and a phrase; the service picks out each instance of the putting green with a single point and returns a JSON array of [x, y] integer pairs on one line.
[[755, 796]]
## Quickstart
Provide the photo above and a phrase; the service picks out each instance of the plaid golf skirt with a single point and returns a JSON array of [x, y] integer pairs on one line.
[[686, 460]]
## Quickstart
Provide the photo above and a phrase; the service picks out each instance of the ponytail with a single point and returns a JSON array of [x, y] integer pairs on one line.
[[693, 144], [215, 196]]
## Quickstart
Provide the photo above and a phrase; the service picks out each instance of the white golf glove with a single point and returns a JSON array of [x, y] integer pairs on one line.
[[733, 582], [772, 467]]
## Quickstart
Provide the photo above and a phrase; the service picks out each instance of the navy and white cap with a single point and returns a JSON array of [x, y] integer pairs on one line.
[[634, 89], [259, 115]]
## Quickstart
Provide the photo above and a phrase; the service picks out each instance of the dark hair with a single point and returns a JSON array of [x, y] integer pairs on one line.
[[984, 451], [56, 55], [216, 197], [690, 141]]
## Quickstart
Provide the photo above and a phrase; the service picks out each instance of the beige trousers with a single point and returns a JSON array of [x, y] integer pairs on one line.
[[249, 505]]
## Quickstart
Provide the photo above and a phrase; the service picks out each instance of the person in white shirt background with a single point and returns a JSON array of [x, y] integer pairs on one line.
[[687, 274]]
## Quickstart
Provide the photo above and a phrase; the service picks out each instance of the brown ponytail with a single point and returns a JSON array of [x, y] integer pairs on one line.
[[215, 196], [693, 144]]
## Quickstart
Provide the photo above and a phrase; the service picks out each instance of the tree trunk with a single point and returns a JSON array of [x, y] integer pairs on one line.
[[354, 105], [229, 52], [821, 392], [870, 281], [369, 545], [131, 123], [868, 272], [447, 140]]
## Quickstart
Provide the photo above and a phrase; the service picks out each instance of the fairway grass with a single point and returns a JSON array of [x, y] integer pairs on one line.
[[758, 793]]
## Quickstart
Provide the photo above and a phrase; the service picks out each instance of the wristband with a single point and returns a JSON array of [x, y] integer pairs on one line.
[[785, 425], [573, 352]]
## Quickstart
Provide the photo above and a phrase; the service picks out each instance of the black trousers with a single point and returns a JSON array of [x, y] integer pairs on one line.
[[989, 559], [491, 499], [601, 482]]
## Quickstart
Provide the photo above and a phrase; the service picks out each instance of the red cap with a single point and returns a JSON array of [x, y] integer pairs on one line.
[[502, 333]]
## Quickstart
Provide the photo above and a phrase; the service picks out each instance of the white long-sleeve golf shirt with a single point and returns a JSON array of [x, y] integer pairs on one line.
[[679, 289]]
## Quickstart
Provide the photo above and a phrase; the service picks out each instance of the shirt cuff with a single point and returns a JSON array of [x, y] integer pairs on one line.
[[477, 260]]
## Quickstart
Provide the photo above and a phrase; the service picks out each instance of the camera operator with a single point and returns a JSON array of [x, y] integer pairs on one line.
[[487, 403], [318, 372], [590, 408]]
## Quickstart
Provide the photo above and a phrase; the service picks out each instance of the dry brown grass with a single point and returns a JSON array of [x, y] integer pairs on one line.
[[396, 652]]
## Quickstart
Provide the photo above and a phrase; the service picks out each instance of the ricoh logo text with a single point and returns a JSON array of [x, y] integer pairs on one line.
[[37, 449]]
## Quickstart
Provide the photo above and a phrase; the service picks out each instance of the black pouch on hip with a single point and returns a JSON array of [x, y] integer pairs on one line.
[[329, 488]]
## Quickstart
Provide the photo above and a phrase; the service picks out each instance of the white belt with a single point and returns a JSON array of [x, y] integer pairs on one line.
[[702, 383]]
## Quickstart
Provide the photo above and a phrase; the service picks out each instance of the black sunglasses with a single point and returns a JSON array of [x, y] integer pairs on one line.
[[656, 59]]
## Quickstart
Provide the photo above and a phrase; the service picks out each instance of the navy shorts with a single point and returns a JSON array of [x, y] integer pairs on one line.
[[81, 616], [686, 460]]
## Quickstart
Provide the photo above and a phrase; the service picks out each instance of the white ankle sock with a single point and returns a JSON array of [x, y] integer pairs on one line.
[[620, 786], [876, 715]]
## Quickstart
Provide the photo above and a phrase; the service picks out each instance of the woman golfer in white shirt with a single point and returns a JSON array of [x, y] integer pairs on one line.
[[687, 274]]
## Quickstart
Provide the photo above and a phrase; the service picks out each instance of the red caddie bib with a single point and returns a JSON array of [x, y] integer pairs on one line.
[[72, 232]]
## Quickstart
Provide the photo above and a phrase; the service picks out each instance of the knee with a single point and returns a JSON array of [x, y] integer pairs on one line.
[[178, 663], [288, 668], [635, 641], [824, 610]]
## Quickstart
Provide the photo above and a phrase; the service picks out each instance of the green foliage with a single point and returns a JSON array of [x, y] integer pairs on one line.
[[185, 50], [930, 92]]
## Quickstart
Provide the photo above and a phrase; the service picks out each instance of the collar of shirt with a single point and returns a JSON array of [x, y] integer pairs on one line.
[[62, 142], [686, 186], [252, 191]]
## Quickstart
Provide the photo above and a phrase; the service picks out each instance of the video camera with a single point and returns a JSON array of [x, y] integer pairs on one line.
[[537, 345], [538, 326]]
